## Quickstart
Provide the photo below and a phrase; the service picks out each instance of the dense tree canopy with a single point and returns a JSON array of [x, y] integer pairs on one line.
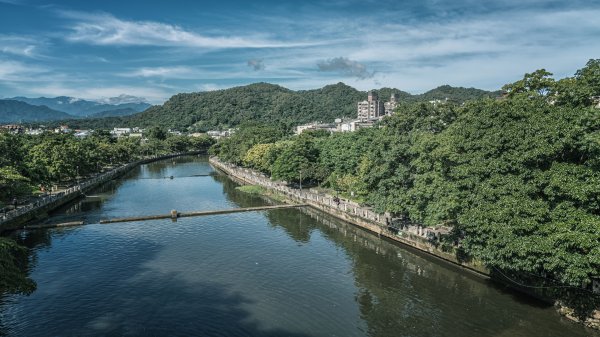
[[31, 162]]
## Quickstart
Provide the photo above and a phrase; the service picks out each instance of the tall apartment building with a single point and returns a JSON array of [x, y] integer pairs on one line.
[[391, 105], [371, 108]]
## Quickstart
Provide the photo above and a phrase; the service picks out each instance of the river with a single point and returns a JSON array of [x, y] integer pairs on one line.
[[286, 272]]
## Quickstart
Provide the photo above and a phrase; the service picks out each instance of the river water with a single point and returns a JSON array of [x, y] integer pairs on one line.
[[271, 273]]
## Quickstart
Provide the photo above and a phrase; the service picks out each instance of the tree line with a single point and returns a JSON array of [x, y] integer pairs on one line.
[[518, 178], [32, 163]]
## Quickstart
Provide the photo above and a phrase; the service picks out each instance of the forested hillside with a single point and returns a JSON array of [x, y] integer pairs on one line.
[[263, 102]]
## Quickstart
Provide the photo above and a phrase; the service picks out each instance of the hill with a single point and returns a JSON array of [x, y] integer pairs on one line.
[[264, 102], [455, 94], [114, 113], [84, 108], [12, 111]]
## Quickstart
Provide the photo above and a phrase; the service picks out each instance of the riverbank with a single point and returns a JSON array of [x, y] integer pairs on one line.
[[414, 236], [39, 208], [418, 237]]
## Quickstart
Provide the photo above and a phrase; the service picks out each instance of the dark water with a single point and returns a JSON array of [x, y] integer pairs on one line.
[[271, 273]]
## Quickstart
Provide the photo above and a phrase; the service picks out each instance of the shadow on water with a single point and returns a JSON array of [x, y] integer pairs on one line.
[[128, 305], [419, 296]]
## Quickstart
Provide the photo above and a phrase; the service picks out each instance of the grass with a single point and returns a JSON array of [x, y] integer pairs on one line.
[[252, 189], [261, 191]]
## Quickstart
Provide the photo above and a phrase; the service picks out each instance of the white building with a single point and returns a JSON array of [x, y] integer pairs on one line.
[[371, 108], [120, 132], [357, 124], [390, 106], [220, 134], [331, 127]]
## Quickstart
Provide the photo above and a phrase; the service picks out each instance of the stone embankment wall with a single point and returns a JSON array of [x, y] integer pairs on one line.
[[422, 238], [39, 208]]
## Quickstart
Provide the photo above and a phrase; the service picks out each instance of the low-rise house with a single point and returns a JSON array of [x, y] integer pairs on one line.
[[12, 128], [120, 132], [331, 127], [82, 133], [220, 134]]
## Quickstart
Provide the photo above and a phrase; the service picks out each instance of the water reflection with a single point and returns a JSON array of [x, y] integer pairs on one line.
[[275, 273], [401, 293]]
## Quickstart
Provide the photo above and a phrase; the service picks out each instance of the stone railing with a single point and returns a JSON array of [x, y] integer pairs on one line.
[[351, 210]]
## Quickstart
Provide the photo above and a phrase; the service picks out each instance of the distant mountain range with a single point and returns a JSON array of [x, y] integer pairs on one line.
[[71, 108], [260, 102], [12, 111]]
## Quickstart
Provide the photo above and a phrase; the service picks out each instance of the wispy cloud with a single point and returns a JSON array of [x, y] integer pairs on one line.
[[15, 71], [106, 29], [164, 72], [19, 45], [345, 67], [12, 2], [256, 64]]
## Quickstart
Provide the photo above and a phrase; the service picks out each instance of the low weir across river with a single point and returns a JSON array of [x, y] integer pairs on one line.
[[265, 272]]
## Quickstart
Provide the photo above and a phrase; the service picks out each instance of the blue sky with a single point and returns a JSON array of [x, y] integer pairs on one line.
[[154, 49]]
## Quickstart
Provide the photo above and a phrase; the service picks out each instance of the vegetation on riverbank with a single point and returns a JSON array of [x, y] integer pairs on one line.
[[517, 178], [261, 191], [32, 163]]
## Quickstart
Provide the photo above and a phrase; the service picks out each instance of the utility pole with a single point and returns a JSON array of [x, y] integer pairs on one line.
[[300, 179]]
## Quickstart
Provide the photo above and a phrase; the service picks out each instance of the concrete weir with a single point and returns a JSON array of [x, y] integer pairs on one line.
[[174, 214]]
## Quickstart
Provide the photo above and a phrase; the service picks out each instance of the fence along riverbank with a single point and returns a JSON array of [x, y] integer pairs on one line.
[[16, 218]]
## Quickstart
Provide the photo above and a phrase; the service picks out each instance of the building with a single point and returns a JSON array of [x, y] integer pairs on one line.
[[62, 129], [355, 125], [120, 132], [82, 133], [331, 127], [390, 106], [12, 128], [220, 134], [371, 108], [596, 101]]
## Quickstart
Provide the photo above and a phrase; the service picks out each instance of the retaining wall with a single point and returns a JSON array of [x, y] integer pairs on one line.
[[416, 236]]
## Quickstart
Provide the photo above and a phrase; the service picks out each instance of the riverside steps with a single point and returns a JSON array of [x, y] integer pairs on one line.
[[40, 207], [174, 214]]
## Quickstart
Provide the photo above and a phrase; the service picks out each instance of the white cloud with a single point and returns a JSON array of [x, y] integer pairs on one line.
[[152, 95], [165, 72], [18, 71], [19, 45], [105, 29]]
